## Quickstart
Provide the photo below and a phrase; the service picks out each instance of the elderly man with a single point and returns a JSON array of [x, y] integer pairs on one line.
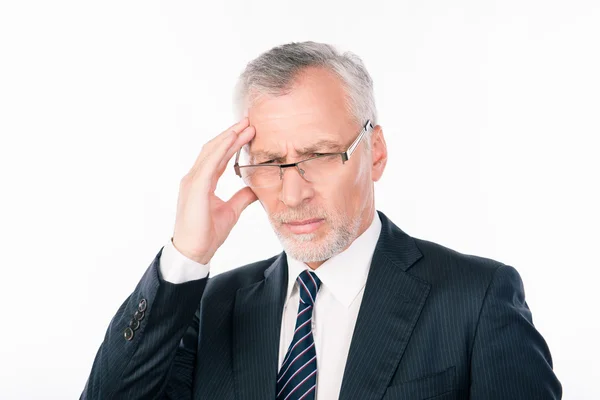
[[353, 308]]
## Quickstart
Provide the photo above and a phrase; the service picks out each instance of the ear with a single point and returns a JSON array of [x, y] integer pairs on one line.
[[378, 152]]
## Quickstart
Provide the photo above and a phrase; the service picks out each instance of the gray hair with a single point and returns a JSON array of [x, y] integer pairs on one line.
[[274, 71]]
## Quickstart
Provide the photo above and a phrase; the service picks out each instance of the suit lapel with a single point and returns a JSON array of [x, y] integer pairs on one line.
[[256, 329], [390, 308]]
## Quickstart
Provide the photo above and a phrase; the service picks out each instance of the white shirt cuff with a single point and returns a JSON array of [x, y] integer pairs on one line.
[[174, 267]]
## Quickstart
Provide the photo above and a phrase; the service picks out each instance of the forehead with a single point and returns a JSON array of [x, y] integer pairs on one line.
[[313, 111]]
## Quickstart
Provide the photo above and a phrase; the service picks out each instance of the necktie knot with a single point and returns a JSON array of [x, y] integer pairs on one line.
[[308, 284]]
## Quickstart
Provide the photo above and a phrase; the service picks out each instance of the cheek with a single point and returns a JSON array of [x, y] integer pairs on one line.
[[363, 171], [358, 187], [342, 193], [267, 199]]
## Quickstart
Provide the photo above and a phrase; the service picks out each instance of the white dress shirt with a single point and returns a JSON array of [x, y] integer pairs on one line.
[[336, 307]]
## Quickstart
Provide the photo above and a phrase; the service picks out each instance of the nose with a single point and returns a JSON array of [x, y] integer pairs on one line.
[[294, 188]]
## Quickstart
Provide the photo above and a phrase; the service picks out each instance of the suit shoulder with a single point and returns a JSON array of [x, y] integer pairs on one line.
[[439, 261]]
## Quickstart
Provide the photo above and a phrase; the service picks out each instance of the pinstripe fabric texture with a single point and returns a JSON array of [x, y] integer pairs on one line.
[[433, 324], [297, 377]]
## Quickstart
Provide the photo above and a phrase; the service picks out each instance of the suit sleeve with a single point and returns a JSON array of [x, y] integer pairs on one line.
[[154, 359], [510, 359]]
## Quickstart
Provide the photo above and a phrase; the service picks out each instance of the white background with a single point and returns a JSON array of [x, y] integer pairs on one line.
[[490, 111]]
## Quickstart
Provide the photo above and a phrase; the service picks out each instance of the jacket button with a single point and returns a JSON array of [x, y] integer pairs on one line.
[[142, 305], [138, 316], [128, 333], [134, 324]]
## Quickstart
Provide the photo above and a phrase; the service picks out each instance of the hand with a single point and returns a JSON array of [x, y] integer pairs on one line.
[[203, 220]]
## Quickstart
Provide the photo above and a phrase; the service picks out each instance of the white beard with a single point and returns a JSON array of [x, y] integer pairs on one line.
[[306, 247]]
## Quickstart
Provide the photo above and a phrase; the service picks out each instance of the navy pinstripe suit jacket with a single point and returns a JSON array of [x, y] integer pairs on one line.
[[433, 324]]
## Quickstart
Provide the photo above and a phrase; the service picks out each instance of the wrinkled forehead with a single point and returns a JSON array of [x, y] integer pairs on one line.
[[282, 140], [295, 141], [312, 116]]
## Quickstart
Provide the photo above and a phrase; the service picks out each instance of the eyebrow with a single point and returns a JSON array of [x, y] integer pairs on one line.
[[321, 146]]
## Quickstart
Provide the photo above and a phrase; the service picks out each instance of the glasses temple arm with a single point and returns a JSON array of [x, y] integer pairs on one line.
[[368, 126]]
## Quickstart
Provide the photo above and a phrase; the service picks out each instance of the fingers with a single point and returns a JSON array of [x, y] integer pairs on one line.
[[226, 135], [241, 199], [238, 127], [212, 161], [243, 138], [217, 161]]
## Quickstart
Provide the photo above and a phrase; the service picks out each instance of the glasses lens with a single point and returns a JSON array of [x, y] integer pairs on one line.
[[320, 169], [260, 176], [316, 169]]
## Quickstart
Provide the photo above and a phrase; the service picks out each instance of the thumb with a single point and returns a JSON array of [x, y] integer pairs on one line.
[[241, 199]]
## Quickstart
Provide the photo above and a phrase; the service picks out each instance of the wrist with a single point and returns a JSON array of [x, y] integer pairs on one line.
[[201, 259]]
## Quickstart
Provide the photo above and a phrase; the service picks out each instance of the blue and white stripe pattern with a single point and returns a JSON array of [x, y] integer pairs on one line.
[[297, 378]]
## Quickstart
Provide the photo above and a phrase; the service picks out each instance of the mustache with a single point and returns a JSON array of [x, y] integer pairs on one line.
[[299, 215]]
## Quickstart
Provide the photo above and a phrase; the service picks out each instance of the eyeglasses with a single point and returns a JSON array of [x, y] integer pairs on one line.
[[315, 169]]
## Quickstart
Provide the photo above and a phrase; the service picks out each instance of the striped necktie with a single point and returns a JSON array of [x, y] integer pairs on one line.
[[297, 377]]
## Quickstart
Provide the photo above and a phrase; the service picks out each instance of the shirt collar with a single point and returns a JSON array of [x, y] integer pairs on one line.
[[344, 274]]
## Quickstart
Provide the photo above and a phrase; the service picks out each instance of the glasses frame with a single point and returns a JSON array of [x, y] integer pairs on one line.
[[344, 154]]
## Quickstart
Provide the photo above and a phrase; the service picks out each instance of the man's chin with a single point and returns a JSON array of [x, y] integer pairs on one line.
[[298, 237]]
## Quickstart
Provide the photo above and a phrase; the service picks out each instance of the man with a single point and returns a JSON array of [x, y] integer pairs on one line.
[[354, 308]]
